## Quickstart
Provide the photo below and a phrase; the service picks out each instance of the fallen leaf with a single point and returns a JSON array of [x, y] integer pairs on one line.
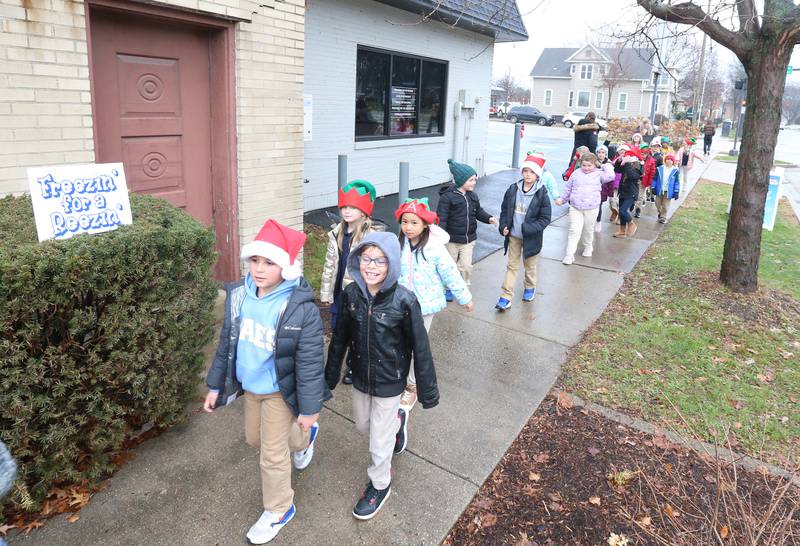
[[555, 507], [594, 500], [487, 520], [523, 541], [784, 419], [534, 477], [565, 400], [621, 478], [660, 441], [750, 361], [73, 518], [736, 404], [555, 497], [786, 354], [617, 540], [737, 425], [671, 512], [593, 451], [30, 526], [668, 467], [645, 521], [723, 533], [542, 457]]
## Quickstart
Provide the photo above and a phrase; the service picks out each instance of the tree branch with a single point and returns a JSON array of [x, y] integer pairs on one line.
[[748, 18], [689, 13]]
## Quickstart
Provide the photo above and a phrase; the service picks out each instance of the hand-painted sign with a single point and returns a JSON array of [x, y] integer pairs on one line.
[[773, 197], [72, 199]]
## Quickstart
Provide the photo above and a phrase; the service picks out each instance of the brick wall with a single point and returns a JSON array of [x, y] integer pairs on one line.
[[334, 30], [45, 99]]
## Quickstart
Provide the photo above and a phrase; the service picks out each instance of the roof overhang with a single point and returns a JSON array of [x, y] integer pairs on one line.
[[460, 19]]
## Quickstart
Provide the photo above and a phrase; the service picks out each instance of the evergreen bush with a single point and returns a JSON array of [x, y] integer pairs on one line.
[[99, 335]]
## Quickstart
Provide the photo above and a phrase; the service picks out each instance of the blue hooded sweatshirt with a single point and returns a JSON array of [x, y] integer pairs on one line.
[[255, 350]]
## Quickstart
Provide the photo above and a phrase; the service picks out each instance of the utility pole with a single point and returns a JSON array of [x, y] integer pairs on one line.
[[696, 110]]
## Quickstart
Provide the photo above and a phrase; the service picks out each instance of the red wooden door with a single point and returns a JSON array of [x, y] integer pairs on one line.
[[151, 88]]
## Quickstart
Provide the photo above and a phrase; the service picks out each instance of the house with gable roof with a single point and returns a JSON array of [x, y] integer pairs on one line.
[[613, 82]]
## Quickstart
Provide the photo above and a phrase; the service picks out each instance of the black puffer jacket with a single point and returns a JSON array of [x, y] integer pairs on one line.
[[382, 333], [537, 218], [299, 351], [459, 214], [629, 186]]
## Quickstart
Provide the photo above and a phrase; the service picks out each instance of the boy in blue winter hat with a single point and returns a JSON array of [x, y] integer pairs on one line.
[[271, 349]]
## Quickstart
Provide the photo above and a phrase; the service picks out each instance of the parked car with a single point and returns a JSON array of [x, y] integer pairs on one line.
[[529, 113], [571, 119]]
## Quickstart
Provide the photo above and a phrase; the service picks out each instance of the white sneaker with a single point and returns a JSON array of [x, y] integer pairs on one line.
[[568, 260], [587, 252], [409, 398], [598, 227], [268, 525], [301, 459]]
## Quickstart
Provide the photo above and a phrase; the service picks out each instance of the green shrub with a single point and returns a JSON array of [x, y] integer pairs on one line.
[[99, 335]]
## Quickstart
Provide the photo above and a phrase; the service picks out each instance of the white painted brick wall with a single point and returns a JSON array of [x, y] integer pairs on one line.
[[45, 100], [334, 28]]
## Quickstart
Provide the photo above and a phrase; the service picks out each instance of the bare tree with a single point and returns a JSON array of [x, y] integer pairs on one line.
[[763, 43], [791, 104]]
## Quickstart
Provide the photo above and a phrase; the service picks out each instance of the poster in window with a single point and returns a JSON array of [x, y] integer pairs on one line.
[[404, 110]]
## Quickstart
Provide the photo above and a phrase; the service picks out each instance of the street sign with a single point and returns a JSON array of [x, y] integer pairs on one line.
[[789, 69], [773, 198]]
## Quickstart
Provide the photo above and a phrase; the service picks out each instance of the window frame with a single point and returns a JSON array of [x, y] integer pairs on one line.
[[587, 71], [571, 99], [388, 96], [619, 101], [545, 100], [588, 105], [599, 95], [572, 69]]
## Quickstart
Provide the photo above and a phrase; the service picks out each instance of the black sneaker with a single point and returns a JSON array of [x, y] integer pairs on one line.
[[370, 502], [401, 439], [348, 378], [638, 213]]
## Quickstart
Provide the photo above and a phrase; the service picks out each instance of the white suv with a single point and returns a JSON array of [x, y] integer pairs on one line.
[[571, 120]]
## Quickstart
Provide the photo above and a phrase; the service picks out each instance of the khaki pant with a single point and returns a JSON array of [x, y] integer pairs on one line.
[[642, 200], [581, 226], [378, 417], [530, 264], [270, 426], [462, 255], [662, 205], [426, 320]]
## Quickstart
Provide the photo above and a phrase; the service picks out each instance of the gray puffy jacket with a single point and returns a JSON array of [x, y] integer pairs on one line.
[[298, 351]]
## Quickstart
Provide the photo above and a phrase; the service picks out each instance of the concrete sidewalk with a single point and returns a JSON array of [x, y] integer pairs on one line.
[[198, 484]]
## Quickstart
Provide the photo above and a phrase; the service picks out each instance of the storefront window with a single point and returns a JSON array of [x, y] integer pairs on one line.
[[410, 103]]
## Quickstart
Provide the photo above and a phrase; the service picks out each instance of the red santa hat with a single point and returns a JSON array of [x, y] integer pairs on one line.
[[420, 207], [279, 244], [632, 155], [535, 162]]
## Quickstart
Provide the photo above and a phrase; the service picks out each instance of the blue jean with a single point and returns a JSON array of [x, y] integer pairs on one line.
[[625, 205]]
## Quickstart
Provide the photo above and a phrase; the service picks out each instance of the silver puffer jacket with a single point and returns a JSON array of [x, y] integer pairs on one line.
[[331, 267], [8, 470]]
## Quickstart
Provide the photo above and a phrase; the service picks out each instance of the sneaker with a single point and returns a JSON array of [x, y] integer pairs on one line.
[[598, 227], [448, 295], [401, 439], [662, 220], [568, 260], [528, 294], [638, 213], [502, 304], [409, 398], [348, 378], [587, 252], [268, 525], [301, 459], [370, 502]]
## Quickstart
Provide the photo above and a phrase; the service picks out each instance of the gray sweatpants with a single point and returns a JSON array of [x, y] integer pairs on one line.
[[378, 417]]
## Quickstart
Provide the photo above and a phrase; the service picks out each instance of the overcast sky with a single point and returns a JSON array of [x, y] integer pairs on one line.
[[572, 23]]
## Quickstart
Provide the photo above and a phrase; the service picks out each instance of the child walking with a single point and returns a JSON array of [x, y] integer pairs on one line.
[[425, 267], [381, 324], [607, 188], [524, 215], [459, 212], [582, 192], [356, 201], [684, 159], [271, 349], [666, 186], [632, 172], [649, 165]]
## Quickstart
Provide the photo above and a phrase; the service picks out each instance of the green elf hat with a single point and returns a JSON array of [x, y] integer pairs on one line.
[[644, 146], [461, 172], [359, 194], [420, 207], [665, 140]]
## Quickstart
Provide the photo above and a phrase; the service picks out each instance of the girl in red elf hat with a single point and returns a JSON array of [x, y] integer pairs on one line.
[[684, 159], [356, 200], [426, 268]]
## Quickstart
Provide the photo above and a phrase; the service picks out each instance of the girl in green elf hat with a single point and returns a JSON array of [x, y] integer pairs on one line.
[[356, 201]]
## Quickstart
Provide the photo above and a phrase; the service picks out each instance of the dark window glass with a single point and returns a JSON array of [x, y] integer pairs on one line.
[[398, 95], [372, 79], [430, 107]]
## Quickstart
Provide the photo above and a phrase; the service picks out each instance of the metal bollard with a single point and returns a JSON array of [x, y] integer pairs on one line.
[[515, 157], [342, 171], [402, 193]]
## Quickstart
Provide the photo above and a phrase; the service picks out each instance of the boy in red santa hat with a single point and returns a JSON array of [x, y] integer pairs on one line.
[[271, 349]]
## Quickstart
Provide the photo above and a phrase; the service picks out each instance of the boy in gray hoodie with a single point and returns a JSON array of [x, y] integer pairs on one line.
[[381, 325]]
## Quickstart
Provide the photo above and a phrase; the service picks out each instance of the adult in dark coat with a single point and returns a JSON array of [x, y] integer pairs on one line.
[[586, 134]]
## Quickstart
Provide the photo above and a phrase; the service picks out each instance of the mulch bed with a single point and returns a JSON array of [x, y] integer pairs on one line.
[[575, 477]]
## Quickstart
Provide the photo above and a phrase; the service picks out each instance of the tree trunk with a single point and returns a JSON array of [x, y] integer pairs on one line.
[[766, 76]]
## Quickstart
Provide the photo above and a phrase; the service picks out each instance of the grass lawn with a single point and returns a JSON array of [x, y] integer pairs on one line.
[[314, 255], [674, 342], [733, 159]]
